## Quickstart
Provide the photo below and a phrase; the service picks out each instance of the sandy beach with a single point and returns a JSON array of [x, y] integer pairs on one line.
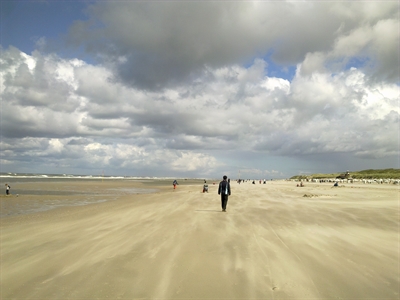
[[276, 241]]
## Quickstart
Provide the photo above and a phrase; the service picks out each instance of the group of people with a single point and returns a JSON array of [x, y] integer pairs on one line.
[[224, 190]]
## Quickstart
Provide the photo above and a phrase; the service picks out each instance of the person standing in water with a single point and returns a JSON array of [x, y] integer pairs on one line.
[[224, 189]]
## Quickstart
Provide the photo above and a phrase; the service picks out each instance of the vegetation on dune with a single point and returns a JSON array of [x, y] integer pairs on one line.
[[364, 174]]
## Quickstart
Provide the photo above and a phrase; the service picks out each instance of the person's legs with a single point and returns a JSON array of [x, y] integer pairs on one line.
[[224, 201]]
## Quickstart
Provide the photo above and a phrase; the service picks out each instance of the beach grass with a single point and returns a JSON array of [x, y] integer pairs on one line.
[[364, 174]]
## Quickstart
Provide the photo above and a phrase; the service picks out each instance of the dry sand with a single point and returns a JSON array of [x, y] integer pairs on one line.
[[276, 241]]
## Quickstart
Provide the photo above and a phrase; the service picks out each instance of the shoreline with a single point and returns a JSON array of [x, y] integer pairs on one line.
[[44, 194]]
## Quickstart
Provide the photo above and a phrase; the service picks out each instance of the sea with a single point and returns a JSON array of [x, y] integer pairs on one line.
[[33, 176], [24, 185], [64, 195]]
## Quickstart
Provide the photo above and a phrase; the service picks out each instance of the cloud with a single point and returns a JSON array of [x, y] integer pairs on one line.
[[371, 47], [192, 88], [227, 108], [158, 45]]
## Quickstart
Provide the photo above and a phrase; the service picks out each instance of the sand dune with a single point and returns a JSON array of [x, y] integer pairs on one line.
[[272, 243]]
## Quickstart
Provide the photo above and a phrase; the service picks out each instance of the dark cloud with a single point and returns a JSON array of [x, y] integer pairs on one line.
[[153, 45], [74, 142], [158, 45]]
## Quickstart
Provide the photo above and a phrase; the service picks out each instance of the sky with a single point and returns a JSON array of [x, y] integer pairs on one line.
[[199, 89]]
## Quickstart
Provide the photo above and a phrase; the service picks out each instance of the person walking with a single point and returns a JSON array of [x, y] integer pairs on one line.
[[175, 183], [7, 189], [224, 189]]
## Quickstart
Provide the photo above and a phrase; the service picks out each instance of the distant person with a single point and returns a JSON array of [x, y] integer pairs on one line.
[[336, 184], [175, 183], [224, 189], [7, 189], [205, 188]]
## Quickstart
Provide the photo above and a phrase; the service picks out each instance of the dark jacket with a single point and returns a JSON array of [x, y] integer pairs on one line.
[[223, 186]]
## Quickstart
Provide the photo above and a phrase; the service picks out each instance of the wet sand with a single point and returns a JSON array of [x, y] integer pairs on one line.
[[276, 241]]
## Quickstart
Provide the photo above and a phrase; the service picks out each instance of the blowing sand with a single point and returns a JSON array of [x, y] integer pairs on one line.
[[276, 241]]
